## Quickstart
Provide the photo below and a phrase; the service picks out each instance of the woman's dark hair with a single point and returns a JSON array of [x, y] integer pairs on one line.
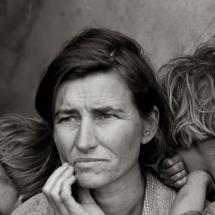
[[101, 50], [27, 153]]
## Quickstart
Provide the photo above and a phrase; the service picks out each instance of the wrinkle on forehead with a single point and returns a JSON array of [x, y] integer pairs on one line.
[[94, 91]]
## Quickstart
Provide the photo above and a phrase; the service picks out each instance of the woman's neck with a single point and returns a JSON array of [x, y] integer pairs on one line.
[[124, 196]]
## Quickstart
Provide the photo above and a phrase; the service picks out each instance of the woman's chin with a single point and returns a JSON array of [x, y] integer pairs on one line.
[[90, 182]]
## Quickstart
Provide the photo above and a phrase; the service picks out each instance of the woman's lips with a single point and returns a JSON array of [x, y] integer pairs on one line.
[[85, 160], [88, 162]]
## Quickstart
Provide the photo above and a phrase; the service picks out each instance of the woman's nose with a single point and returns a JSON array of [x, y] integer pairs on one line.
[[85, 139]]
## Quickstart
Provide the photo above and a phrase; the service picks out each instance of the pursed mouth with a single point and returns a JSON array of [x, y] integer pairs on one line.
[[88, 160]]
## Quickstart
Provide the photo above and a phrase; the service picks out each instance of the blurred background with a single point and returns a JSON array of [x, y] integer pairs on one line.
[[32, 32]]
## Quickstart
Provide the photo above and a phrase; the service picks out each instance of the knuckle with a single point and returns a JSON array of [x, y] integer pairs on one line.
[[45, 190]]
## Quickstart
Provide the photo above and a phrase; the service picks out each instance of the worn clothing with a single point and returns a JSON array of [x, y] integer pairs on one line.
[[210, 210], [158, 201]]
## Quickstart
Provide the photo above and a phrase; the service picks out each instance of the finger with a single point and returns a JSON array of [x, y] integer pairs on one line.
[[57, 211], [66, 190], [175, 178], [49, 184], [179, 184], [57, 186], [172, 170], [53, 185], [68, 200], [168, 162], [54, 177], [53, 194]]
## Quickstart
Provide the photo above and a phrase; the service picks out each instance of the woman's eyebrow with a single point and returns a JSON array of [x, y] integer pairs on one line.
[[65, 112], [68, 111], [108, 109]]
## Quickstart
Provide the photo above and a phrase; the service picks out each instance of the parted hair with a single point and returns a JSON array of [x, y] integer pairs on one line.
[[103, 50], [189, 85], [27, 152]]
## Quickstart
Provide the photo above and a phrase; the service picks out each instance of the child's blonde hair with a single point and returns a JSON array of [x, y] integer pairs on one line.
[[189, 84]]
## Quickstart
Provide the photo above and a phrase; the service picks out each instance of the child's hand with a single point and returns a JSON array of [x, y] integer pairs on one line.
[[172, 171]]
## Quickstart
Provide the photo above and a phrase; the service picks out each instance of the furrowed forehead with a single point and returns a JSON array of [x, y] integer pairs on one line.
[[94, 92]]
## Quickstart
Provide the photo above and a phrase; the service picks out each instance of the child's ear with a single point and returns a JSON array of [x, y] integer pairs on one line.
[[150, 126]]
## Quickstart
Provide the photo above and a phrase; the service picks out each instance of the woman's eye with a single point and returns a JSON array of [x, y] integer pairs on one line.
[[106, 116], [68, 119]]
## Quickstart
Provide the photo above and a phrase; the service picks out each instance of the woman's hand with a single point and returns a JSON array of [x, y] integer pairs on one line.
[[58, 190]]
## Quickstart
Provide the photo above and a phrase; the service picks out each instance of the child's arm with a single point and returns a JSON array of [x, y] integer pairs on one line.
[[191, 197], [194, 160], [207, 151]]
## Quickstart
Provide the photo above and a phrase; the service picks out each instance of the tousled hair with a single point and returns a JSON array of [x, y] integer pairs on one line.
[[102, 50], [189, 84], [27, 152]]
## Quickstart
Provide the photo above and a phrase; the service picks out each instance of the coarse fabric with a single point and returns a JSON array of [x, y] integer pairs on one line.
[[158, 201]]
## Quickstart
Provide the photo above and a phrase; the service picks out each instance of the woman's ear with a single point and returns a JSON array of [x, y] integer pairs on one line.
[[150, 126]]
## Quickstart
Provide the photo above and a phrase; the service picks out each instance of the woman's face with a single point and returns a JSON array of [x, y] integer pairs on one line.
[[8, 194], [97, 128]]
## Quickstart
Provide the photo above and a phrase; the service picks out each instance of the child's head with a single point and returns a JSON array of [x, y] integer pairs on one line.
[[189, 83], [25, 156]]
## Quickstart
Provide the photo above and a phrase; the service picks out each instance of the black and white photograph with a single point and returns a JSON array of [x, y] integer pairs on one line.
[[107, 107]]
